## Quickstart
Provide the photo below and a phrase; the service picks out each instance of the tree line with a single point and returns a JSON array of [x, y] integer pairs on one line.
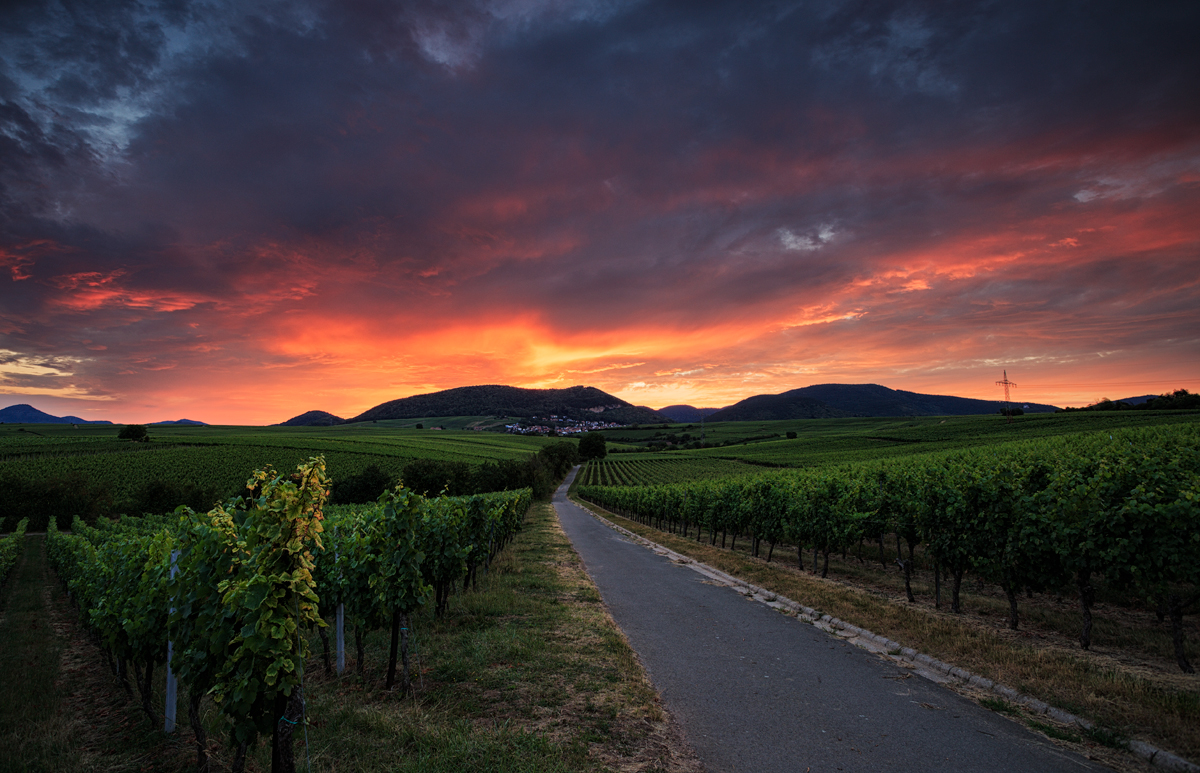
[[538, 472], [1180, 399]]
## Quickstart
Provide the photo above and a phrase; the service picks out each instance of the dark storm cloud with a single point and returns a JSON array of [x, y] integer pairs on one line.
[[175, 173]]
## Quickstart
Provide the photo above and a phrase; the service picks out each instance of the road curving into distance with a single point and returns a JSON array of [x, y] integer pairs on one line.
[[758, 691]]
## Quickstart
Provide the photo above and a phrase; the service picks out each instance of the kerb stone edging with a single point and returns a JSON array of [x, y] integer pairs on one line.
[[928, 667]]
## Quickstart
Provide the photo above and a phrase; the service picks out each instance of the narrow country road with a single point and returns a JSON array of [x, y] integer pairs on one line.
[[757, 691]]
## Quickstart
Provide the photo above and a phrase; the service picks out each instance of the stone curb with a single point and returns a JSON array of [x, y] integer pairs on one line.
[[932, 668]]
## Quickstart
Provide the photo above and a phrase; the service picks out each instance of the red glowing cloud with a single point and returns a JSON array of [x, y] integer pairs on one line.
[[273, 215]]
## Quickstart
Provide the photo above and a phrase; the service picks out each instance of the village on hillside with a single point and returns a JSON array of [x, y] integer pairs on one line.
[[558, 425]]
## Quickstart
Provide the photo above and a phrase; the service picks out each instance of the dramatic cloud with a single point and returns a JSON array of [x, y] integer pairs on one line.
[[238, 211]]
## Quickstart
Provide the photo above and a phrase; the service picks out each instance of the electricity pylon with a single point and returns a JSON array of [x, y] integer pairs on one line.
[[1006, 384]]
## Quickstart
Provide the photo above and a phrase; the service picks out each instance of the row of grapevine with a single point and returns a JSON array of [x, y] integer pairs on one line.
[[94, 475], [96, 484], [621, 473], [641, 471], [1029, 516], [232, 589], [398, 554], [683, 468], [10, 549]]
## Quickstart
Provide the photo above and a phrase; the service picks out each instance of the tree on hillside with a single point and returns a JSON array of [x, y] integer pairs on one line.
[[135, 432], [592, 446], [1176, 400]]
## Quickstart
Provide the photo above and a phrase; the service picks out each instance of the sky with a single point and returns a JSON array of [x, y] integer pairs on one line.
[[235, 212]]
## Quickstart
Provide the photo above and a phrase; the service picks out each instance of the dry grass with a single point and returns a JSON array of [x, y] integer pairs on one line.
[[1133, 693]]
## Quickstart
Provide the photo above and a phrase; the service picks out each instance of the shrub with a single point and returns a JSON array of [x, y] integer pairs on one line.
[[135, 432], [592, 446]]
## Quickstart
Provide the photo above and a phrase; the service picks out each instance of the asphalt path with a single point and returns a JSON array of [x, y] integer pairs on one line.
[[756, 690]]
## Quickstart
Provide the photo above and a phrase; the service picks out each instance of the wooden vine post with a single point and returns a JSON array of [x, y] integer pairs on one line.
[[169, 708], [397, 581]]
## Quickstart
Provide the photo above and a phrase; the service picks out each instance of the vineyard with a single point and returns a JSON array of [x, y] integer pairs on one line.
[[646, 470], [237, 590], [1120, 508], [812, 442], [10, 549], [61, 471], [225, 597], [87, 471]]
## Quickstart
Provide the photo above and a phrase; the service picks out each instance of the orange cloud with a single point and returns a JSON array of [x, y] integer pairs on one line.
[[92, 290]]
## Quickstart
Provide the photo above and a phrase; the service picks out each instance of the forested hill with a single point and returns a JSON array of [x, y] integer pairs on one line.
[[684, 414], [578, 402], [839, 400], [313, 419]]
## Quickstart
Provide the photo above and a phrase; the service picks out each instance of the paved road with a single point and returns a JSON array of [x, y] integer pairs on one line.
[[758, 691]]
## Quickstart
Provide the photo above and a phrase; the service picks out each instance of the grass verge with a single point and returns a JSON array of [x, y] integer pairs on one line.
[[1125, 699], [527, 672], [60, 709], [29, 658]]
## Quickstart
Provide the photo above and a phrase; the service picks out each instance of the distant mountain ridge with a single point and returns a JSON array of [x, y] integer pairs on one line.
[[577, 402], [819, 401], [844, 400], [27, 414]]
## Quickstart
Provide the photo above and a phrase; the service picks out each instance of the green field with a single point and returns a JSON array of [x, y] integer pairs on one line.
[[653, 469], [107, 476], [87, 471], [836, 441], [488, 423]]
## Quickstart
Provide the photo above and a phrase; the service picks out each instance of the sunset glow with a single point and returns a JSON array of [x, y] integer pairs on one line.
[[241, 212]]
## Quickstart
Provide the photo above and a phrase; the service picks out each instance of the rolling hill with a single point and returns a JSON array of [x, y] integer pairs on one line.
[[843, 400], [578, 402], [686, 414], [312, 419]]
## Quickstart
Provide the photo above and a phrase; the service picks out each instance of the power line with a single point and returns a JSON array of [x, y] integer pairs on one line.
[[1104, 384]]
